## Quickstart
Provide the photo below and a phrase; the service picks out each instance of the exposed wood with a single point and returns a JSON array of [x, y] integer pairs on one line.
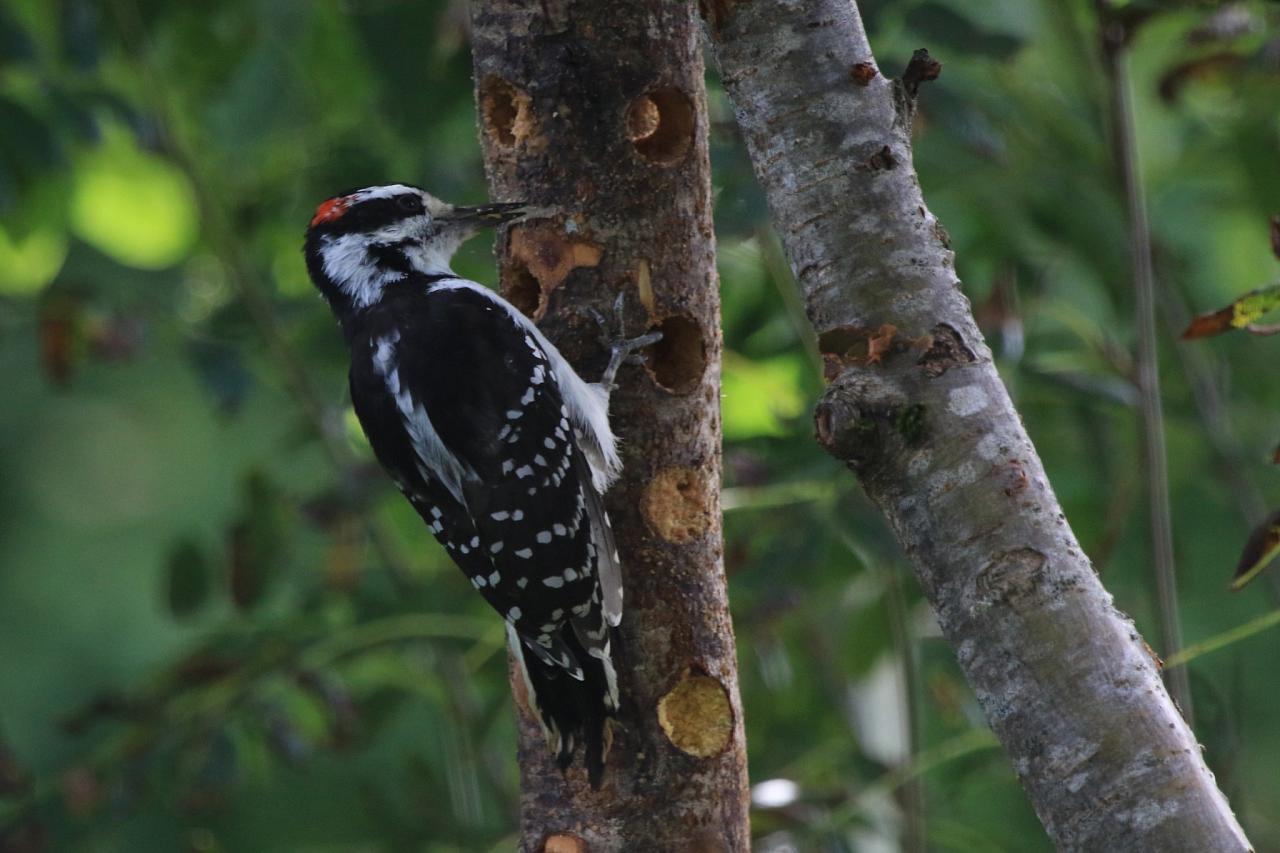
[[598, 110]]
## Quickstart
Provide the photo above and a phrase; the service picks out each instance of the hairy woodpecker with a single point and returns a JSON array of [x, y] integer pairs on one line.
[[499, 445]]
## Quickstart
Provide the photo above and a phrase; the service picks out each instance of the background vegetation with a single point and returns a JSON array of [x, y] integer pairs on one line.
[[220, 629]]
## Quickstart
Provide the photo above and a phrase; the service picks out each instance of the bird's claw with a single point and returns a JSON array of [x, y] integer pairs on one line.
[[621, 351], [624, 352], [607, 337]]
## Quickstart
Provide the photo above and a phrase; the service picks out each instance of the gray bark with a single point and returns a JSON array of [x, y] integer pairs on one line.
[[916, 409], [598, 109]]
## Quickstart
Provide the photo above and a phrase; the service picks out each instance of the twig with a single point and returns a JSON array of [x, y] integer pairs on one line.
[[1218, 641], [1115, 52], [913, 799], [967, 743], [779, 272]]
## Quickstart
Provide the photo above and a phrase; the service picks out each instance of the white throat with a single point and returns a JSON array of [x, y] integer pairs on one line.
[[433, 256], [347, 263]]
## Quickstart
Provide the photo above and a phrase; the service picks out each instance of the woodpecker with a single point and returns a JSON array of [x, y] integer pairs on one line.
[[501, 447]]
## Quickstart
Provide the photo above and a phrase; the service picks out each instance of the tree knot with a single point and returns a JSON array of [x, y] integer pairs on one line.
[[863, 73], [1011, 577], [861, 421], [920, 69]]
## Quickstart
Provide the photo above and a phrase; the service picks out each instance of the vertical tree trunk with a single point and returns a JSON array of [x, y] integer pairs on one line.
[[915, 407], [598, 109]]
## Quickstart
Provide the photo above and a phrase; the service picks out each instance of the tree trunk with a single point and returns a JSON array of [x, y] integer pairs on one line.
[[916, 409], [598, 110]]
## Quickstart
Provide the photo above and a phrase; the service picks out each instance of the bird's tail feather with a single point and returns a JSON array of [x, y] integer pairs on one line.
[[571, 711]]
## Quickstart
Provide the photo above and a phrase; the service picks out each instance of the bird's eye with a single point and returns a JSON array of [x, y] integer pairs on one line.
[[409, 203]]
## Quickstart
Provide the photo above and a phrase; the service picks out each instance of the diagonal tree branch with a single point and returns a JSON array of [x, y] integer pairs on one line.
[[916, 409]]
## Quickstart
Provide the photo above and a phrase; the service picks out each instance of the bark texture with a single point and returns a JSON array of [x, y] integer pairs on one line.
[[598, 110], [915, 407]]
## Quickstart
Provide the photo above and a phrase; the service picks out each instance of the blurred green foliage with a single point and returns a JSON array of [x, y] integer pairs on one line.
[[220, 629]]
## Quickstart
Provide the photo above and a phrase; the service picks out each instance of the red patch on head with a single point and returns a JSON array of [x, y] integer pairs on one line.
[[330, 210]]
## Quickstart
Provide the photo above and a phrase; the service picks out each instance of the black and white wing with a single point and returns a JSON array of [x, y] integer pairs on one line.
[[465, 409]]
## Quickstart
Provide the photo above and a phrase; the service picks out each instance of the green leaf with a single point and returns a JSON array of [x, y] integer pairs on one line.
[[757, 396], [133, 206], [1253, 306], [188, 578], [1239, 314], [256, 542], [29, 263]]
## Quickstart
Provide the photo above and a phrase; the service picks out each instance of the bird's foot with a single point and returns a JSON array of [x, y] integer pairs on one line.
[[622, 351]]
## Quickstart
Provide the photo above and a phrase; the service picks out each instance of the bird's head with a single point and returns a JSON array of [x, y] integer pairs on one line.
[[362, 242]]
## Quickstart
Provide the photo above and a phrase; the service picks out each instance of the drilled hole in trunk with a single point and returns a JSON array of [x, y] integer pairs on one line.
[[523, 290], [675, 503], [500, 107], [660, 124], [678, 360]]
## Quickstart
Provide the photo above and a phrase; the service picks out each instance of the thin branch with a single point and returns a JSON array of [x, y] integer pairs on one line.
[[913, 800], [775, 264], [1220, 641], [925, 762], [1147, 361]]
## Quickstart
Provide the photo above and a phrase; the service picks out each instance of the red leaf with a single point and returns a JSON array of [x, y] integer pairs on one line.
[[1209, 324]]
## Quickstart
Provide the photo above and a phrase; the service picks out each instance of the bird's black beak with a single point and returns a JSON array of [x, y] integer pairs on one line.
[[483, 215]]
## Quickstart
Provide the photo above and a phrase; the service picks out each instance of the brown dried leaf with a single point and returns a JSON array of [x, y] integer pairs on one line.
[[1240, 314], [921, 68], [1208, 324], [1262, 547], [1214, 65]]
